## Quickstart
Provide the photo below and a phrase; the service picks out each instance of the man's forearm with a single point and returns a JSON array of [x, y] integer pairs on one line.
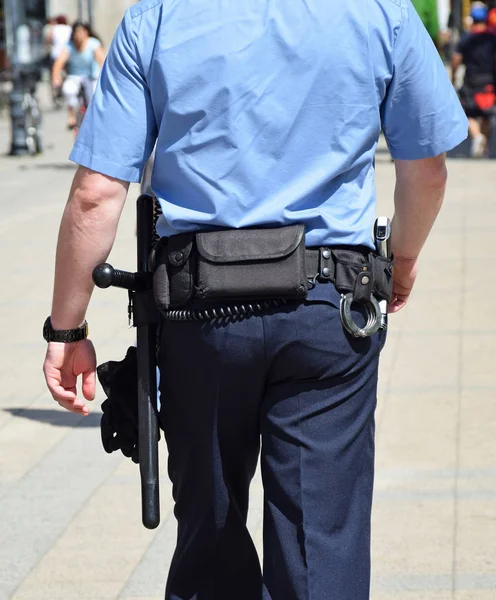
[[419, 195], [87, 233]]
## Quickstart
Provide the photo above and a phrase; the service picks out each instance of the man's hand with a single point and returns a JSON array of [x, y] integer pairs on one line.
[[63, 365], [405, 273]]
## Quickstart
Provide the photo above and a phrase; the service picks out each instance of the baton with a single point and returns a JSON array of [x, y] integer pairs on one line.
[[145, 321]]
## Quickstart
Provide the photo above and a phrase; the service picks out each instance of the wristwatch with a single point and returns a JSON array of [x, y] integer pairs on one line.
[[65, 336]]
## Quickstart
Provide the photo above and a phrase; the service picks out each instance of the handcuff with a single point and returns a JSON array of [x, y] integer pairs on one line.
[[374, 316], [377, 312]]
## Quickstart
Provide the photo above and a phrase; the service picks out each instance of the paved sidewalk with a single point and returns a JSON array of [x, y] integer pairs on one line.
[[70, 517]]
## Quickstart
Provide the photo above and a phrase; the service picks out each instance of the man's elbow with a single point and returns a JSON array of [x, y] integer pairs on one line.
[[435, 172], [92, 191], [429, 173]]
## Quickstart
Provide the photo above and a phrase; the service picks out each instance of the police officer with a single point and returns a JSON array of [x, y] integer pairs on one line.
[[265, 113]]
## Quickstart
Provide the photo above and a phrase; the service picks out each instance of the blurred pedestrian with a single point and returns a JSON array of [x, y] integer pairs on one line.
[[266, 117], [477, 51], [58, 37], [491, 21], [82, 59]]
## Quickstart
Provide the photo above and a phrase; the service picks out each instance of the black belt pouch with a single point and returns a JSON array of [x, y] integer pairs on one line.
[[251, 263]]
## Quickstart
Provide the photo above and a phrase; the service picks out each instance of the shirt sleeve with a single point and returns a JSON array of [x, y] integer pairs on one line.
[[421, 114], [119, 128]]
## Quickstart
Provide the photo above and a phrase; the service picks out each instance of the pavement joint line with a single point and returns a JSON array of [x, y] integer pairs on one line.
[[459, 396], [416, 390], [414, 474], [426, 582], [398, 494]]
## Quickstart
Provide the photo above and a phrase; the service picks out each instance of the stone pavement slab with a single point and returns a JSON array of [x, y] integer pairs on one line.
[[69, 514]]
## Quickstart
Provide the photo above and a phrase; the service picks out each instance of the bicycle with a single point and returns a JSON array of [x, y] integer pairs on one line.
[[32, 117], [57, 97]]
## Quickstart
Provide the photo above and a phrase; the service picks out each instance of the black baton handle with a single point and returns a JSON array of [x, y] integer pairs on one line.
[[105, 276]]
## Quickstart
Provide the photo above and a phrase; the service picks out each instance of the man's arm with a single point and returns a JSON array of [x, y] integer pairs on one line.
[[87, 233], [86, 236], [418, 197]]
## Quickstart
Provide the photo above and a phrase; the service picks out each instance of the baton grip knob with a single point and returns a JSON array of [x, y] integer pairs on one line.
[[105, 276]]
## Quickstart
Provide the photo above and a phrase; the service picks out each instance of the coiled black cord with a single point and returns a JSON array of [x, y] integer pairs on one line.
[[233, 311], [157, 213]]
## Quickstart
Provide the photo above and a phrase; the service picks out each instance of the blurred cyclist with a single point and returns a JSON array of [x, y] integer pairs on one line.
[[477, 50], [56, 39], [82, 58]]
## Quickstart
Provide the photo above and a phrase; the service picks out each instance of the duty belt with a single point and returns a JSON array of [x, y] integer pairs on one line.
[[351, 270]]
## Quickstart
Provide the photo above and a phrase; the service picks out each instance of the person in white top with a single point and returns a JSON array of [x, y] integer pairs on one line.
[[59, 37]]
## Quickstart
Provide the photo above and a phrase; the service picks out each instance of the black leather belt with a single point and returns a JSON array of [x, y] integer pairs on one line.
[[321, 263]]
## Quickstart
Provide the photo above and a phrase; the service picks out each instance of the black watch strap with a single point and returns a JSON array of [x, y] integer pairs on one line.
[[65, 336]]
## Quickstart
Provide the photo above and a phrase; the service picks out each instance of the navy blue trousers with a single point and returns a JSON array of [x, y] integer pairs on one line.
[[294, 383]]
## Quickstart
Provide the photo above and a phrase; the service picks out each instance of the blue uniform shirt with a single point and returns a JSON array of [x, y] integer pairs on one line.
[[268, 112]]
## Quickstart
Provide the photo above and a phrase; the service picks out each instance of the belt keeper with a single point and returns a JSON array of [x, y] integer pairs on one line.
[[364, 286], [326, 266]]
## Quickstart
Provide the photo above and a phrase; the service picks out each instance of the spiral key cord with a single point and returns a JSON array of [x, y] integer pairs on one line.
[[232, 312]]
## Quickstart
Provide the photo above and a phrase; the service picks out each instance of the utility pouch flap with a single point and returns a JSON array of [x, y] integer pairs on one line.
[[173, 283], [244, 245], [251, 263], [349, 264], [181, 269]]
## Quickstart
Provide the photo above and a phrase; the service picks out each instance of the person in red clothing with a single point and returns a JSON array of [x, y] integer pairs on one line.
[[477, 51], [491, 21]]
